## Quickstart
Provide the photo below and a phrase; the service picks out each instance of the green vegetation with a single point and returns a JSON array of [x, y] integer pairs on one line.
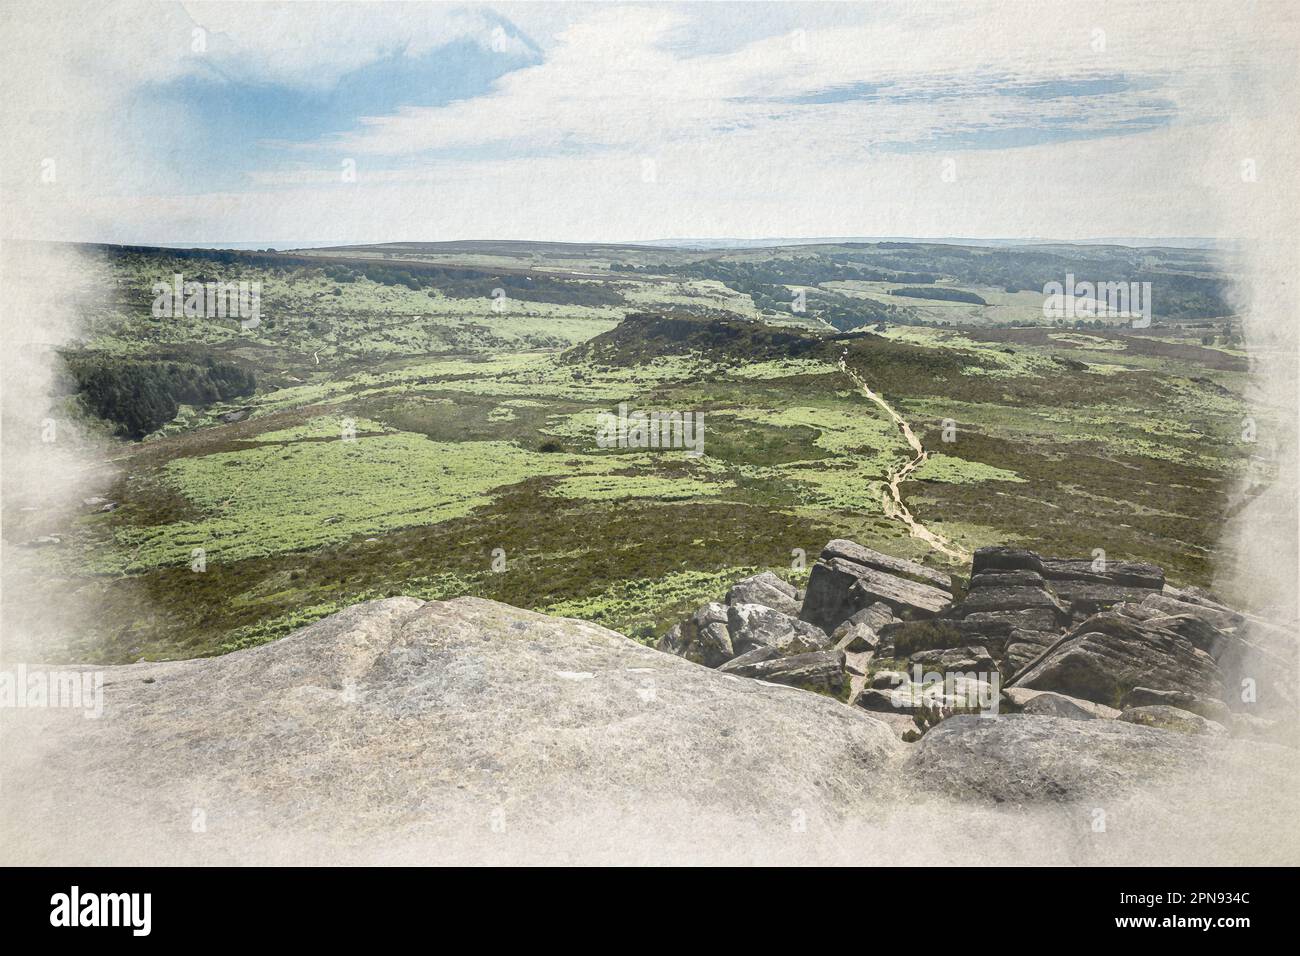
[[140, 396], [940, 293], [384, 430]]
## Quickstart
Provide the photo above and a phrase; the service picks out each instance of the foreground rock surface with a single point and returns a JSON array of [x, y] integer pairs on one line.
[[401, 715], [470, 731], [1022, 758]]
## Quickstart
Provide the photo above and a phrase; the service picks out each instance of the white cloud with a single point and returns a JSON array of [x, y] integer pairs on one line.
[[623, 84], [615, 79]]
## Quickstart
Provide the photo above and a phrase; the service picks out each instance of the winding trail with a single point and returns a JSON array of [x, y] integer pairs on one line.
[[893, 499]]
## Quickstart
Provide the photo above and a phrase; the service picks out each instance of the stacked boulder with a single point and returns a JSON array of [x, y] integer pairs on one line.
[[1178, 660], [1074, 638], [757, 633], [1087, 638], [848, 578], [768, 630]]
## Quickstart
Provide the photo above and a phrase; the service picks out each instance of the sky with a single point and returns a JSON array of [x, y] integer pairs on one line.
[[369, 122]]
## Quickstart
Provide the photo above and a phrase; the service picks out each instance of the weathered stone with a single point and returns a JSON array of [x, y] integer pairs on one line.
[[963, 660], [1136, 611], [765, 589], [755, 625], [905, 598], [1195, 595], [1201, 633], [1109, 654], [399, 720], [1002, 623], [852, 551], [1089, 597], [1211, 708], [672, 642], [905, 638], [839, 586], [900, 722], [885, 680], [1021, 699], [711, 613], [1007, 579], [886, 701], [1124, 573], [1164, 717], [1022, 758], [959, 693], [1005, 559], [1222, 619], [756, 655], [820, 671], [702, 638], [1010, 599], [1024, 647], [876, 616], [711, 644], [856, 639], [1051, 704]]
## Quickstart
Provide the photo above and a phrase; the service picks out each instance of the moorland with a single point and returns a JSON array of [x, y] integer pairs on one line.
[[420, 419]]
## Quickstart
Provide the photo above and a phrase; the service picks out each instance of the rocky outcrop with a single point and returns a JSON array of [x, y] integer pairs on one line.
[[753, 625], [703, 637], [1113, 573], [1210, 708], [1021, 758], [955, 694], [401, 721], [1109, 654], [954, 659], [765, 625], [1083, 638], [847, 578], [768, 590], [755, 631]]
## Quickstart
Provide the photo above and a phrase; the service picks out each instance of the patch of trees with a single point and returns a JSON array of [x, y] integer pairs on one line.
[[941, 293], [453, 282], [474, 283], [844, 313], [643, 336], [1186, 284], [764, 280], [141, 395]]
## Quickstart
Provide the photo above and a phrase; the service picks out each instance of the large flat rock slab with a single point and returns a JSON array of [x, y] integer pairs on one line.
[[398, 718], [867, 557]]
